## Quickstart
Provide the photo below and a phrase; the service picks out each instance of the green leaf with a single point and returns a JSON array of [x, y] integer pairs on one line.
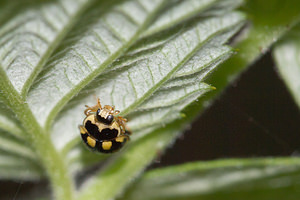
[[268, 178], [55, 51], [288, 64]]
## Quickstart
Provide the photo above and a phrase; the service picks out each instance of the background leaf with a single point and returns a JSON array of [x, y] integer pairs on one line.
[[221, 179], [286, 57]]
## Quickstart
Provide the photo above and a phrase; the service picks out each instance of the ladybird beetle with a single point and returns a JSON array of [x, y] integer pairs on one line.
[[103, 130]]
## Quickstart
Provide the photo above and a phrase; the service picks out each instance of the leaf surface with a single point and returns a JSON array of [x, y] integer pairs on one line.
[[269, 178]]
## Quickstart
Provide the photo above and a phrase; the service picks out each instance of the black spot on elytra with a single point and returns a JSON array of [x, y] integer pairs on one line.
[[108, 134], [105, 134], [92, 129]]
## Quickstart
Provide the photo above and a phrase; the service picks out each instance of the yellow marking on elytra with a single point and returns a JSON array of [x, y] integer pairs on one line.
[[120, 139], [90, 118], [115, 125], [106, 145], [112, 126], [91, 142], [82, 130]]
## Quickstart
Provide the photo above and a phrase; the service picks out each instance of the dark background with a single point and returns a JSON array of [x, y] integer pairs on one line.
[[254, 117]]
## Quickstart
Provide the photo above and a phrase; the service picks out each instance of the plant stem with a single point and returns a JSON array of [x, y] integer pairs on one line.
[[50, 158]]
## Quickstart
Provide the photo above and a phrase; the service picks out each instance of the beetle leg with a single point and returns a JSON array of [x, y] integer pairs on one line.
[[98, 103], [93, 108], [122, 122]]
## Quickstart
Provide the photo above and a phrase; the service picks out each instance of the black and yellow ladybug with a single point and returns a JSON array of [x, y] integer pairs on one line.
[[103, 130]]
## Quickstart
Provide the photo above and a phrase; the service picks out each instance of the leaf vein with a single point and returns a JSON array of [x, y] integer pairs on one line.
[[98, 37], [132, 84], [113, 31], [129, 18]]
